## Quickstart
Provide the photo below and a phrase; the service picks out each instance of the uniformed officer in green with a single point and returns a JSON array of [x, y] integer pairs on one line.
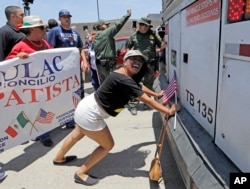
[[104, 45], [150, 44]]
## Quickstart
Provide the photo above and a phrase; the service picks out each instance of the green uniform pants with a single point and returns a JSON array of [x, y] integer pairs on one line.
[[104, 67]]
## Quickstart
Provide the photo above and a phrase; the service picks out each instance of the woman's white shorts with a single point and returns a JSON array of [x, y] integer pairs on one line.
[[89, 115]]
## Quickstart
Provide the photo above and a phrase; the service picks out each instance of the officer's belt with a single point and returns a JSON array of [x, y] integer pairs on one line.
[[104, 60], [151, 61]]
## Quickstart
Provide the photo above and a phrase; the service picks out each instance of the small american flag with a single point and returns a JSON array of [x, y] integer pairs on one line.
[[76, 97], [45, 117], [170, 90]]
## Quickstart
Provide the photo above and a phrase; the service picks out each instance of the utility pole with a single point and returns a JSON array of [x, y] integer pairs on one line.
[[98, 9], [26, 7]]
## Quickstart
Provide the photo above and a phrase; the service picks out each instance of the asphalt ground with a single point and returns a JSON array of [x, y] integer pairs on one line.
[[30, 166]]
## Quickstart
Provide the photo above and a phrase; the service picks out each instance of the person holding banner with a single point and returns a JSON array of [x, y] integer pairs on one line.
[[109, 100], [34, 41]]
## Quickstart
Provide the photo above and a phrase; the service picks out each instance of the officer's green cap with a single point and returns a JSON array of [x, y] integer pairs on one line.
[[145, 20], [101, 22]]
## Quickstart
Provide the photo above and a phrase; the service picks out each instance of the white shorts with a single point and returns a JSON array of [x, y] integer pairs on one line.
[[89, 115]]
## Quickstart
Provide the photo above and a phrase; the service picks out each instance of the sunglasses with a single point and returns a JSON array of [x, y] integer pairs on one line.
[[141, 24]]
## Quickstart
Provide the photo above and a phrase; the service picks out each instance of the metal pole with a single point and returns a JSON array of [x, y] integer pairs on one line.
[[98, 9], [26, 9]]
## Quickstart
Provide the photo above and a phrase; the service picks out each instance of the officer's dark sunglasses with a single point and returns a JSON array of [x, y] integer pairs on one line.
[[141, 24]]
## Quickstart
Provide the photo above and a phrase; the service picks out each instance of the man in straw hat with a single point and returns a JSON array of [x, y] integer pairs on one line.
[[34, 41]]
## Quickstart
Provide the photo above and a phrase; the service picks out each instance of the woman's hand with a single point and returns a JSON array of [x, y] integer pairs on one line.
[[85, 66], [22, 55], [160, 94], [174, 108]]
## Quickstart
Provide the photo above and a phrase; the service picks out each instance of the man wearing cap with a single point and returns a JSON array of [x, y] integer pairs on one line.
[[104, 45], [33, 42], [64, 36], [150, 44], [10, 33], [102, 24]]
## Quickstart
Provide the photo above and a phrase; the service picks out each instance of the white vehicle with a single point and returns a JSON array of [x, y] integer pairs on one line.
[[209, 47]]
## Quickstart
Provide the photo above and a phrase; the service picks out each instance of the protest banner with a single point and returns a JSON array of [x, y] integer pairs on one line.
[[37, 94]]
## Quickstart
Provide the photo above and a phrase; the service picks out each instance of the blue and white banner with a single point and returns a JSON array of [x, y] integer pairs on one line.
[[37, 94]]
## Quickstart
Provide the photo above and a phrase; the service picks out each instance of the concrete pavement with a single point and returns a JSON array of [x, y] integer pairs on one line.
[[30, 166]]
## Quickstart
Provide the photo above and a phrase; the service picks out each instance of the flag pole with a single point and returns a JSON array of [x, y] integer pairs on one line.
[[175, 115]]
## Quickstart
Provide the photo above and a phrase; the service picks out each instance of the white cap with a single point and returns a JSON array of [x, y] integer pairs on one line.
[[134, 53]]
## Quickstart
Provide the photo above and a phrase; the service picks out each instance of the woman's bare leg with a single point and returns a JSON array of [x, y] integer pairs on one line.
[[106, 142], [68, 143]]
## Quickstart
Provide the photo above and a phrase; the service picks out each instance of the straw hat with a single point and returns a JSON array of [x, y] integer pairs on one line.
[[32, 21]]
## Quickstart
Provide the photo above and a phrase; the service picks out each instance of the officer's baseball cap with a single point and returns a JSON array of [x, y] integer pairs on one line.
[[145, 21], [134, 53], [103, 22], [64, 13]]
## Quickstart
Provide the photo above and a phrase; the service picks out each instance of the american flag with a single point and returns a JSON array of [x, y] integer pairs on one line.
[[76, 97], [170, 90], [45, 117]]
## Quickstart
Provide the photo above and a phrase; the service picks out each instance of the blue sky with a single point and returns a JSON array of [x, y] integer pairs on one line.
[[86, 10]]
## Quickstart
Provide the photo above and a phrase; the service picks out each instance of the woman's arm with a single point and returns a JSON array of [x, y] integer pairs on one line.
[[157, 106], [84, 64], [151, 93]]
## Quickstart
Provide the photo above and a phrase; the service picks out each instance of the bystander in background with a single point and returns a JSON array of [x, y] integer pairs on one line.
[[104, 45], [10, 33], [64, 36]]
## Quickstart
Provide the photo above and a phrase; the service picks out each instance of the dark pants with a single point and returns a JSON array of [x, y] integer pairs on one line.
[[149, 77], [94, 79], [44, 137], [104, 67], [82, 85]]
